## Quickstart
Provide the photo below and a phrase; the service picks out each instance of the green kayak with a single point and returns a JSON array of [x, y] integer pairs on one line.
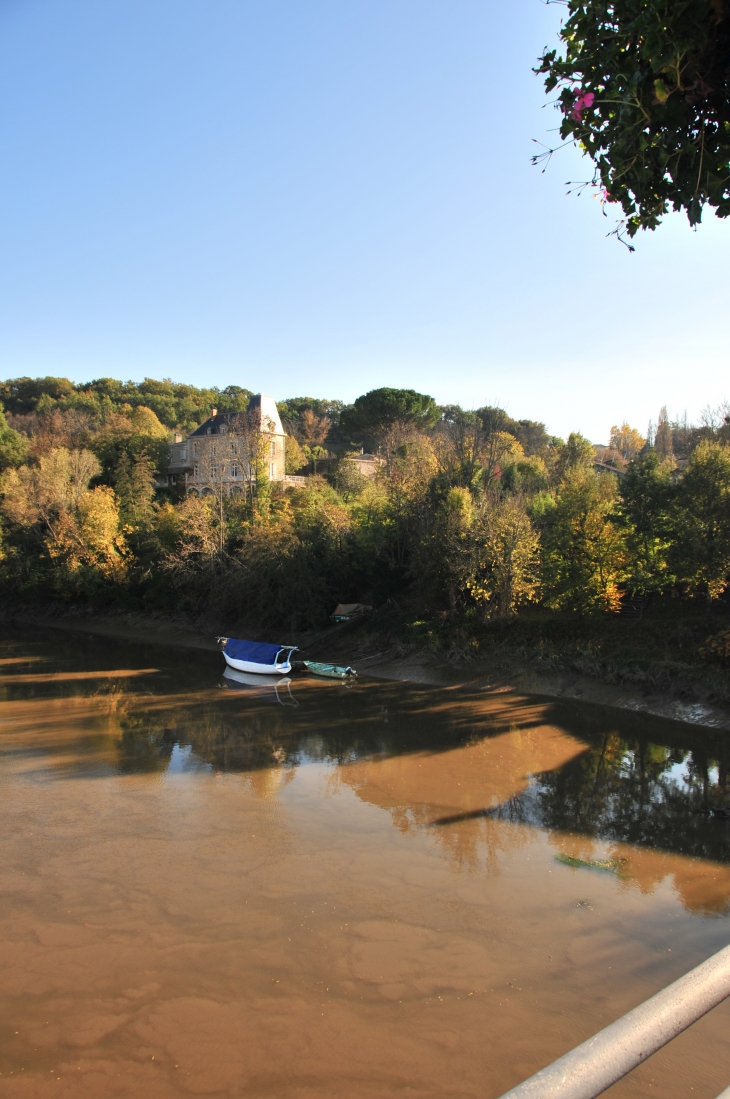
[[331, 671]]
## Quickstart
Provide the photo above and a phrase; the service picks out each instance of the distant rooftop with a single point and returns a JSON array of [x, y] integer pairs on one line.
[[260, 404]]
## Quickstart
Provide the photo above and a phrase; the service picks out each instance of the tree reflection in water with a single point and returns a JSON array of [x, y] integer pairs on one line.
[[635, 791], [631, 779]]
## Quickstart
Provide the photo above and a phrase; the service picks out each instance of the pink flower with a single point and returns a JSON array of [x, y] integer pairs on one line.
[[583, 102]]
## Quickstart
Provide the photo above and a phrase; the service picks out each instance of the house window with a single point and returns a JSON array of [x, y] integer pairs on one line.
[[234, 470], [173, 480], [183, 454], [196, 471], [213, 472], [272, 471], [273, 448]]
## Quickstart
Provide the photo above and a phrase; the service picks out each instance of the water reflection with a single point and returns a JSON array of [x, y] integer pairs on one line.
[[631, 789], [183, 762], [589, 770], [206, 890], [274, 688]]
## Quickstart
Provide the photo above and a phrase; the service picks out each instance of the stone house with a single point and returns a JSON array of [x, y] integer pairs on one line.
[[217, 456], [366, 464]]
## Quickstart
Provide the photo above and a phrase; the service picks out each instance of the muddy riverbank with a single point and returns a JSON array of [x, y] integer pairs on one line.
[[322, 888], [385, 661]]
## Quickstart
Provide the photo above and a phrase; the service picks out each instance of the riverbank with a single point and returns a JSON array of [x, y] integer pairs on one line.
[[381, 649]]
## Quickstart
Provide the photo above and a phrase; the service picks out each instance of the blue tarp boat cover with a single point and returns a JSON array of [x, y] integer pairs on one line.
[[258, 652]]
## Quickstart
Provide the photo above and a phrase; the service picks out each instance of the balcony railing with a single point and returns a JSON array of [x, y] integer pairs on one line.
[[595, 1065]]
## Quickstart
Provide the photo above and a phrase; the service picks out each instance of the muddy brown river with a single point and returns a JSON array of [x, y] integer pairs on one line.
[[215, 888]]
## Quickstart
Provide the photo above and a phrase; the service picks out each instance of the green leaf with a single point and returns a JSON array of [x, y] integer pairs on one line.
[[661, 91]]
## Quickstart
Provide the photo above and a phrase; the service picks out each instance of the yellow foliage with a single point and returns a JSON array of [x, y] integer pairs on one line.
[[296, 459], [409, 468], [167, 523], [505, 558], [88, 535], [501, 449], [39, 493], [196, 530], [627, 441], [98, 513], [460, 503], [145, 422]]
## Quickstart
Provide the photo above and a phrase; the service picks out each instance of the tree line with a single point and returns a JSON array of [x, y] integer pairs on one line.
[[471, 514]]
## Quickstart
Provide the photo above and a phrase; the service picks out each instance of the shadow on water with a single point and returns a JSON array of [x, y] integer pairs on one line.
[[102, 706]]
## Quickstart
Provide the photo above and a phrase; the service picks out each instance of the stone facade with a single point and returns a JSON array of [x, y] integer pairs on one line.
[[216, 457], [366, 464]]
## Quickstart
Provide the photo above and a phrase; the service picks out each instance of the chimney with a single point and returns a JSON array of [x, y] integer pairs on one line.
[[178, 437], [213, 413]]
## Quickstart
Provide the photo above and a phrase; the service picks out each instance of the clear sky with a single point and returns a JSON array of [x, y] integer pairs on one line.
[[327, 196]]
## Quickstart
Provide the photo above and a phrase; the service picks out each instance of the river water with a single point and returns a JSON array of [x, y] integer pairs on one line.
[[214, 889]]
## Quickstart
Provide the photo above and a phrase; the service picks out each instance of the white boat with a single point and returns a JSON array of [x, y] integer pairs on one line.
[[257, 656]]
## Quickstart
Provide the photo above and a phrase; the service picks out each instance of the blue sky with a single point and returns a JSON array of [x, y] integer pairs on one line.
[[326, 197]]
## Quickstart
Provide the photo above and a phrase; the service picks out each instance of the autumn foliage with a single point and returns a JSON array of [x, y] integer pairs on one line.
[[470, 514]]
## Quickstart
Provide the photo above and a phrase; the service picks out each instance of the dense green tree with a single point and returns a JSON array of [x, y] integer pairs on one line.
[[577, 453], [494, 419], [460, 443], [441, 558], [134, 484], [137, 435], [292, 409], [374, 412], [175, 404], [525, 476], [646, 501], [532, 436], [701, 550], [295, 458], [584, 553], [22, 394], [234, 399], [474, 448], [347, 479], [644, 90], [13, 446]]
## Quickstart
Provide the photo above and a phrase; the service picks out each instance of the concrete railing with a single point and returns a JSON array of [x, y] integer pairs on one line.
[[592, 1067]]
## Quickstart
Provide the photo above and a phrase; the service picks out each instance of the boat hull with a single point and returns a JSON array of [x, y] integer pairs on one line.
[[329, 671], [282, 668]]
